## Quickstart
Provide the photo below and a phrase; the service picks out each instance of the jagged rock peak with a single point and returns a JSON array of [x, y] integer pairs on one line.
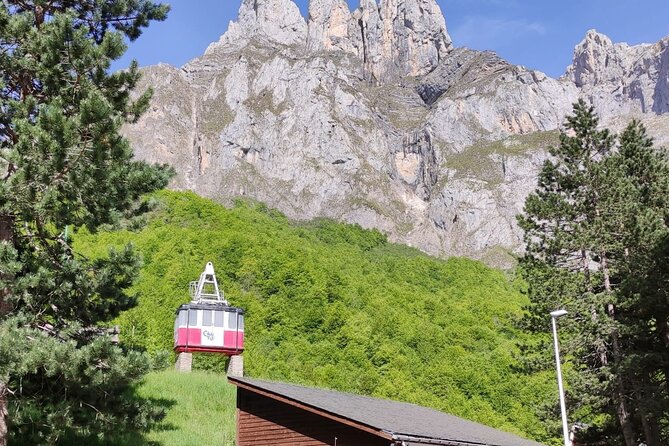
[[270, 21], [616, 75], [412, 37], [394, 38], [596, 59]]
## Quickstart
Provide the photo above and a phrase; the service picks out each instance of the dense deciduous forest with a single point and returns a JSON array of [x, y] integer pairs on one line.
[[337, 306]]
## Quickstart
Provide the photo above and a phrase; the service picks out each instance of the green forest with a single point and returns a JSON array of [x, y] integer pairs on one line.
[[337, 306]]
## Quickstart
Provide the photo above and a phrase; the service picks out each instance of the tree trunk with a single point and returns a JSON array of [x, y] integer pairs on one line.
[[651, 428], [6, 235], [3, 414], [620, 395], [649, 421], [665, 338], [600, 349], [6, 228], [624, 417]]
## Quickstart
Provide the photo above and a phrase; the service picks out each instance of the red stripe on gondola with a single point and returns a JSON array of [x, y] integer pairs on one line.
[[181, 337], [225, 351], [190, 340], [189, 336], [194, 336], [229, 339]]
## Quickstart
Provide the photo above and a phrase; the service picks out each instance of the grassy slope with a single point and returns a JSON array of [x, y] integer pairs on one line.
[[202, 408], [336, 306]]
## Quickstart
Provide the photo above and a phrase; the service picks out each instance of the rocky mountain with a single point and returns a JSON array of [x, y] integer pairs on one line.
[[372, 116], [620, 79]]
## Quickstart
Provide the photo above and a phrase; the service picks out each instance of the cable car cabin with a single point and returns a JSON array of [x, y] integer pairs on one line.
[[208, 324], [209, 328]]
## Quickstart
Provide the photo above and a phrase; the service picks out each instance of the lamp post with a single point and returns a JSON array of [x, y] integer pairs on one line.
[[565, 428]]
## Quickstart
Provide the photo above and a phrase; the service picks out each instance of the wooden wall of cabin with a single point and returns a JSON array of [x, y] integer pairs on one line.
[[264, 421]]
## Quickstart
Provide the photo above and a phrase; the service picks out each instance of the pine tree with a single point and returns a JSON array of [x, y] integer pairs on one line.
[[598, 214], [65, 166], [644, 312]]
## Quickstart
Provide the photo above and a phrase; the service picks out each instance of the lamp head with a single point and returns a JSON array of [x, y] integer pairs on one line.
[[558, 313]]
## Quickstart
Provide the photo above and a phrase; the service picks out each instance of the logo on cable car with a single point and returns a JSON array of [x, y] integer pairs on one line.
[[208, 334]]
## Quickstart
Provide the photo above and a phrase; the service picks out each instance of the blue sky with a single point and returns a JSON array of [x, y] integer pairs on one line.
[[540, 34]]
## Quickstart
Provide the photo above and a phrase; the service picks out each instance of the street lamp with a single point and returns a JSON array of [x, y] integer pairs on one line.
[[565, 428]]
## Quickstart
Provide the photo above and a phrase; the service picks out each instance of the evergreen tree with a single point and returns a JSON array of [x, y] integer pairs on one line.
[[591, 228], [65, 165], [644, 313]]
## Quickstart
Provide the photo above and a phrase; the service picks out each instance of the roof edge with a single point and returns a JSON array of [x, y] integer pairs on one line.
[[239, 382], [434, 441]]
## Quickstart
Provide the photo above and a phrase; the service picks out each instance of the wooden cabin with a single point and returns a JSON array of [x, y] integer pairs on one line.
[[274, 413]]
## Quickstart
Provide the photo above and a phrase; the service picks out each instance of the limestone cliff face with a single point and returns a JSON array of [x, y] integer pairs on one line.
[[400, 37], [619, 78], [330, 26], [371, 116]]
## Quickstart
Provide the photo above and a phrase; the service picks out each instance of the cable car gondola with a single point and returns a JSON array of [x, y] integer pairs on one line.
[[208, 323]]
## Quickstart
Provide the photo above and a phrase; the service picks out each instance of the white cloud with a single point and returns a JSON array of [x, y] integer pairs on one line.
[[490, 33]]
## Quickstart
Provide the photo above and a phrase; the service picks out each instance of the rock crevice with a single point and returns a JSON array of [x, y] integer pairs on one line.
[[416, 162]]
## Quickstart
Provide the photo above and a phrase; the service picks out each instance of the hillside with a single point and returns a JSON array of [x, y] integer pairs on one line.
[[337, 306]]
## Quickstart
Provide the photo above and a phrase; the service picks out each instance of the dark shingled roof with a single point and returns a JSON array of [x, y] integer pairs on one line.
[[399, 419]]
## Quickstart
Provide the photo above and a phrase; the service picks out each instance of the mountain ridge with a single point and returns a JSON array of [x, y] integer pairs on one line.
[[397, 130]]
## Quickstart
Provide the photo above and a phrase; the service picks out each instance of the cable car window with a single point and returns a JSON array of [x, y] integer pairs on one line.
[[192, 317], [206, 318], [241, 322], [183, 317], [218, 318], [232, 321]]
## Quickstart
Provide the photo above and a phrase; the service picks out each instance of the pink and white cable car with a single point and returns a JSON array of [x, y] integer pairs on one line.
[[208, 324]]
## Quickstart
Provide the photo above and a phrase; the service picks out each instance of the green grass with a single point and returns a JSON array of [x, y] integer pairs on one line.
[[201, 408]]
